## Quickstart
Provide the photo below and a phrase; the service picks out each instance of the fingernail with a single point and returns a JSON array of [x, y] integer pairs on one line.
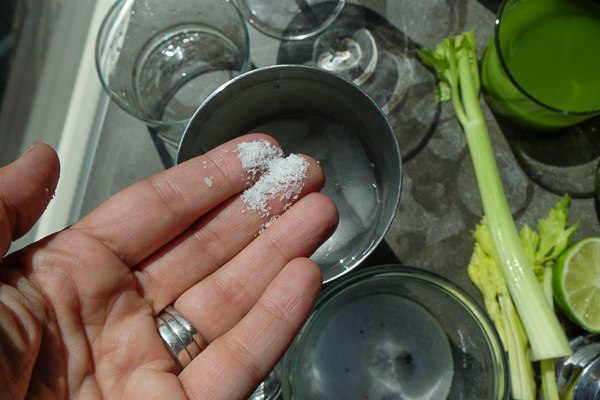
[[28, 150]]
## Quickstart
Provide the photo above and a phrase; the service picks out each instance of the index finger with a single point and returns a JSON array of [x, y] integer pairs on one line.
[[141, 219]]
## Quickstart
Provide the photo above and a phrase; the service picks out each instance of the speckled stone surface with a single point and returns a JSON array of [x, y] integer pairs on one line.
[[440, 202]]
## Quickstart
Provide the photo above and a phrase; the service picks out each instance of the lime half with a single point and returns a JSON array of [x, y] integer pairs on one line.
[[576, 283]]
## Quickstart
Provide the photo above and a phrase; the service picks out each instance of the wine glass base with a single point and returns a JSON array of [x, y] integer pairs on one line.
[[366, 49], [270, 388], [291, 19]]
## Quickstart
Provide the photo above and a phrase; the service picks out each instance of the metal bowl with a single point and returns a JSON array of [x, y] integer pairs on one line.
[[318, 113]]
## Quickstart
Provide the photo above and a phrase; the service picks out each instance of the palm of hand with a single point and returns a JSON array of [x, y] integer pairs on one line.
[[89, 294]]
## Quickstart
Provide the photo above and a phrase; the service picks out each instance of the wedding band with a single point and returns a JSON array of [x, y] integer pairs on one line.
[[179, 336], [197, 337]]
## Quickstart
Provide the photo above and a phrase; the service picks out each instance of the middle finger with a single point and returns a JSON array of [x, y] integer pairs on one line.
[[219, 302], [208, 244]]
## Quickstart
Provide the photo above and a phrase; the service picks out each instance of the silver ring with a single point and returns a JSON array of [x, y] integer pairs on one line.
[[179, 336], [197, 337]]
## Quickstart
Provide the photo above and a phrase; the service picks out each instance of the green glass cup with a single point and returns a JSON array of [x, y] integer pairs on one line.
[[541, 69]]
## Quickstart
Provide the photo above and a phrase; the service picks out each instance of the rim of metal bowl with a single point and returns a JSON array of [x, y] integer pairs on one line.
[[396, 200]]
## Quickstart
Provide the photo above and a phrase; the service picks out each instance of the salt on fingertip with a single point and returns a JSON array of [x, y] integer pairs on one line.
[[256, 155], [208, 181], [280, 177], [267, 224]]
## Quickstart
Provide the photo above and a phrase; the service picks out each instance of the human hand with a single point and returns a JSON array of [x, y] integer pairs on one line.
[[77, 309]]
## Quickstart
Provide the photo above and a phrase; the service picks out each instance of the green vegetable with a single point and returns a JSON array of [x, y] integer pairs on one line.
[[457, 70], [542, 251], [484, 271]]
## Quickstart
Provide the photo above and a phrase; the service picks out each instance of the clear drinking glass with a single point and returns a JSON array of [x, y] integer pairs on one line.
[[396, 332], [540, 69], [159, 60], [291, 19]]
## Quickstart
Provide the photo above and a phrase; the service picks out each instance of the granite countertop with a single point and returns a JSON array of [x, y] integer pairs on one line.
[[440, 203]]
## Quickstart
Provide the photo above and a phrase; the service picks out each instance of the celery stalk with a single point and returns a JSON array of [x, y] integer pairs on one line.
[[456, 64], [542, 252], [548, 376], [484, 271]]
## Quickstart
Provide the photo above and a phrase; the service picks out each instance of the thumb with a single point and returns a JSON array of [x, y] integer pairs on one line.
[[26, 187]]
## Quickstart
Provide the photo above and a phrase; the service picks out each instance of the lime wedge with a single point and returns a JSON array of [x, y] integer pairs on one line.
[[576, 283]]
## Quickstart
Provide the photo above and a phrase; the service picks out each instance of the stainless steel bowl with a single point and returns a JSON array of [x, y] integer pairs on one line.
[[318, 113]]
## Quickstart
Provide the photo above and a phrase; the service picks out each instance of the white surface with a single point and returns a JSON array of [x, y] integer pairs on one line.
[[68, 82], [76, 132]]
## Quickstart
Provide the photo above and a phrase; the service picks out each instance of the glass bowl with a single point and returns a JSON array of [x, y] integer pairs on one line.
[[396, 332]]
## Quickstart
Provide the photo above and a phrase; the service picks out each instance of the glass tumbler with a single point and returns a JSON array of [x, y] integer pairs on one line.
[[540, 69], [159, 60]]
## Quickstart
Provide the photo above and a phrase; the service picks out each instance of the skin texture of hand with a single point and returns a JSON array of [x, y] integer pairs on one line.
[[77, 308]]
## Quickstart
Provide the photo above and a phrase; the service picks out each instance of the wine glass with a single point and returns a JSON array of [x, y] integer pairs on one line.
[[271, 387], [377, 55], [291, 19]]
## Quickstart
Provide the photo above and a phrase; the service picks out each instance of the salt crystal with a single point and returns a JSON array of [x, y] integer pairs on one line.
[[267, 224], [255, 156], [208, 182], [280, 176]]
